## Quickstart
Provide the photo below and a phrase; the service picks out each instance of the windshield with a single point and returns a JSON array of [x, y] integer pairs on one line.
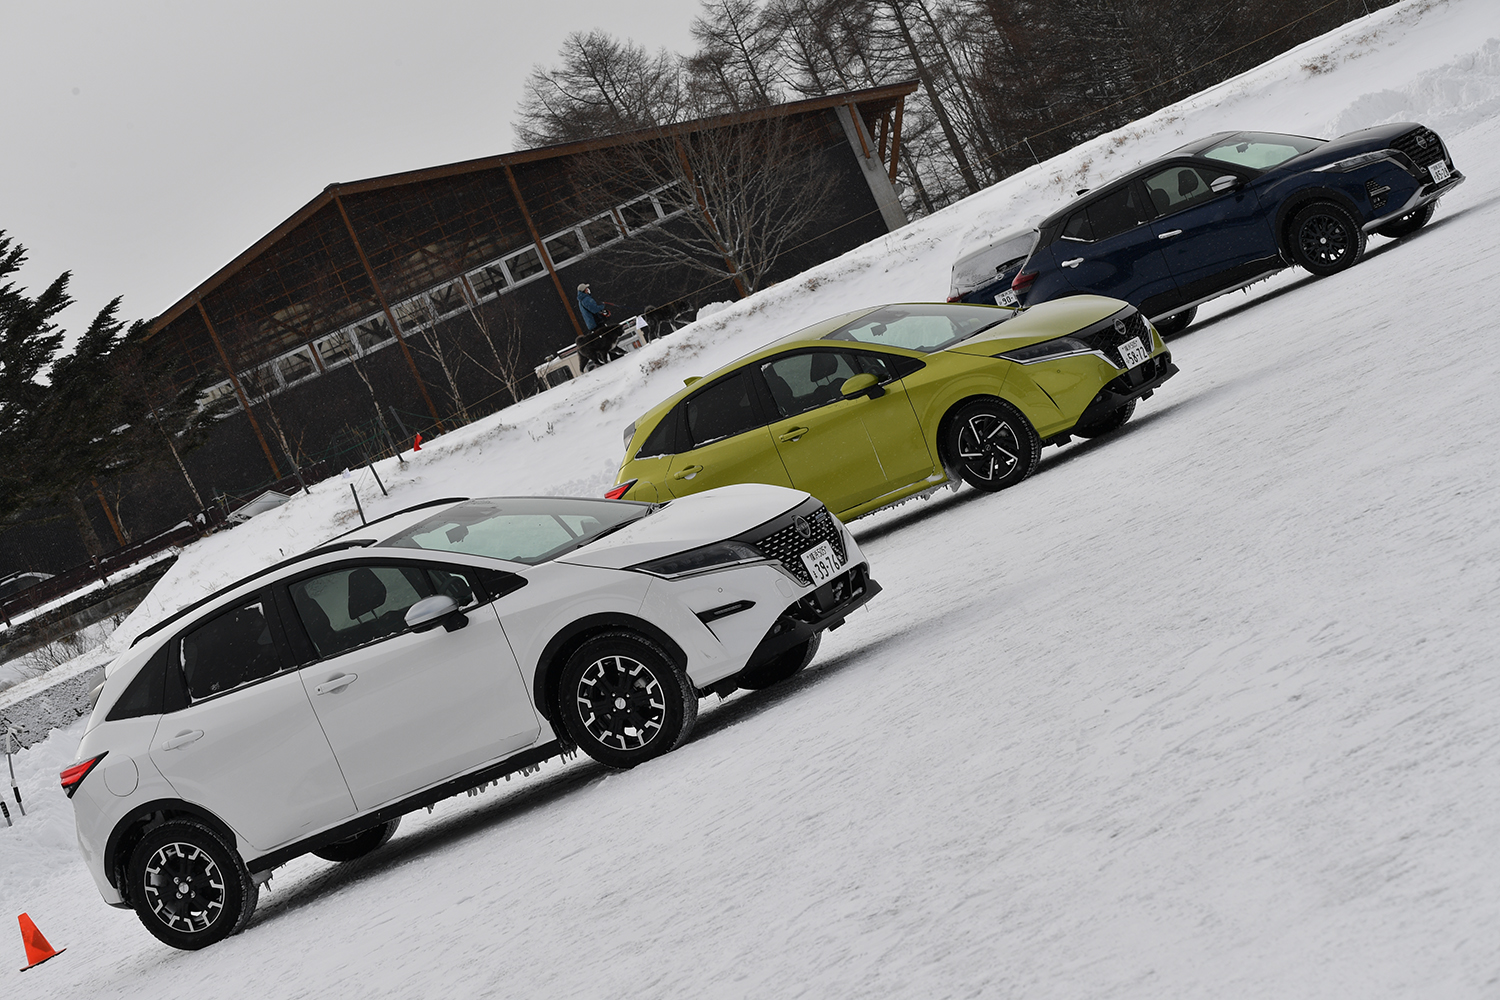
[[920, 327], [1261, 150], [527, 530]]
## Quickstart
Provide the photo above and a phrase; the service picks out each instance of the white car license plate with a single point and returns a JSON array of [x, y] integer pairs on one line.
[[1440, 172], [1134, 353], [1006, 298], [823, 564]]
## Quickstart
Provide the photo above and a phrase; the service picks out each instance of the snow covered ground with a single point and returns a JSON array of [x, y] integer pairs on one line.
[[1204, 709]]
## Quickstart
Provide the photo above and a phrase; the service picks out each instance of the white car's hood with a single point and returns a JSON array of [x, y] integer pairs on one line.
[[687, 523]]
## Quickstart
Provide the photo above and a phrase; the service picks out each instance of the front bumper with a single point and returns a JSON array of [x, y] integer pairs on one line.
[[1425, 193], [1137, 383], [824, 608]]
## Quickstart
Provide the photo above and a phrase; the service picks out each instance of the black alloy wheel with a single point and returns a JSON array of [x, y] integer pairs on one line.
[[1111, 421], [1409, 223], [362, 843], [1325, 238], [624, 701], [991, 445], [188, 886]]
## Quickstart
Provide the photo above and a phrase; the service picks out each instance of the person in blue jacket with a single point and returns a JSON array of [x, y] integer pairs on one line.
[[592, 311], [591, 347]]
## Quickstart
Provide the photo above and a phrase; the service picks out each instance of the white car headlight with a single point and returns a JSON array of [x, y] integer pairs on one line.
[[719, 555]]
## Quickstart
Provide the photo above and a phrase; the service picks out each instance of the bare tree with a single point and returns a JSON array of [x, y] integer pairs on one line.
[[434, 350], [737, 197], [737, 65], [602, 86], [503, 338]]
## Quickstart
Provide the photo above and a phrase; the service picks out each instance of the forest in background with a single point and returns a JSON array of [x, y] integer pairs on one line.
[[1004, 84]]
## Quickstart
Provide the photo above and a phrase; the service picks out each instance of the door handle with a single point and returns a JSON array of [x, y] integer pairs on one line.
[[1073, 263], [182, 739], [793, 434], [336, 683], [1168, 236], [687, 472]]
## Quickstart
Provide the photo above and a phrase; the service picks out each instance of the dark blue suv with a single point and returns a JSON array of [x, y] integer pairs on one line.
[[1230, 209]]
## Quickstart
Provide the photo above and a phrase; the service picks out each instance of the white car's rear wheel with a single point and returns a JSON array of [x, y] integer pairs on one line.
[[624, 701], [188, 886]]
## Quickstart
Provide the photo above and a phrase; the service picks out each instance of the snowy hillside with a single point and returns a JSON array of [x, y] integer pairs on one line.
[[1203, 709]]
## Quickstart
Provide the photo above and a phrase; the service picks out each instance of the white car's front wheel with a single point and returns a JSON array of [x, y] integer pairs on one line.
[[624, 701]]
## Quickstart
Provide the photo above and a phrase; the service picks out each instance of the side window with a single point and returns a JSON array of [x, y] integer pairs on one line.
[[233, 649], [806, 381], [1116, 212], [1077, 227], [877, 365], [1177, 188], [143, 696], [659, 441], [722, 410], [351, 607], [455, 584]]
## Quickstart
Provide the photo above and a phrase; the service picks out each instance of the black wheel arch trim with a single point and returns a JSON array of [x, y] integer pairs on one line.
[[958, 404], [146, 815], [1300, 200]]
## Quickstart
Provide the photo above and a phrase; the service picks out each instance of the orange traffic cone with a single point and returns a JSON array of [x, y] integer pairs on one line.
[[418, 445], [37, 948]]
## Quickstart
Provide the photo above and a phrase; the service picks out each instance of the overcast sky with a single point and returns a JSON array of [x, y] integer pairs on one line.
[[148, 142]]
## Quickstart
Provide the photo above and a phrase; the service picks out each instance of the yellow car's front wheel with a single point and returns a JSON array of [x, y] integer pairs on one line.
[[990, 444]]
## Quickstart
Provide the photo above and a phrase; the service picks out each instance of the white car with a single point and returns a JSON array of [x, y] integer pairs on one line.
[[308, 707]]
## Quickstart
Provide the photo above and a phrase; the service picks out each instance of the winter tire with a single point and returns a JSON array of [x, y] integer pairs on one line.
[[624, 701], [1325, 238], [1408, 223], [362, 843], [188, 886], [990, 444], [781, 666], [1175, 323], [1111, 421]]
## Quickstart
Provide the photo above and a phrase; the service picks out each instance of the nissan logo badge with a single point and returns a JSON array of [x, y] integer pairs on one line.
[[1422, 141], [803, 528], [1120, 327]]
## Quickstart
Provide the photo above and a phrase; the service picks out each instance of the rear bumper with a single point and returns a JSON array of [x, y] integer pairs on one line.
[[1137, 383]]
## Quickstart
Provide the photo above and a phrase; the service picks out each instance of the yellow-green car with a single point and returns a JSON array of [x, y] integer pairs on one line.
[[873, 406]]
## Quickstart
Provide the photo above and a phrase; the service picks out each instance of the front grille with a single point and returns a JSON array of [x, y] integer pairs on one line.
[[1108, 337], [786, 544], [1422, 145]]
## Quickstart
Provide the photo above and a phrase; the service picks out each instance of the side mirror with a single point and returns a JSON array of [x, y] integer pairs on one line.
[[1226, 182], [861, 385], [430, 612]]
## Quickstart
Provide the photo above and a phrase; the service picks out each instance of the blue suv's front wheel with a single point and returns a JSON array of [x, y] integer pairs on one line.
[[1325, 238]]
